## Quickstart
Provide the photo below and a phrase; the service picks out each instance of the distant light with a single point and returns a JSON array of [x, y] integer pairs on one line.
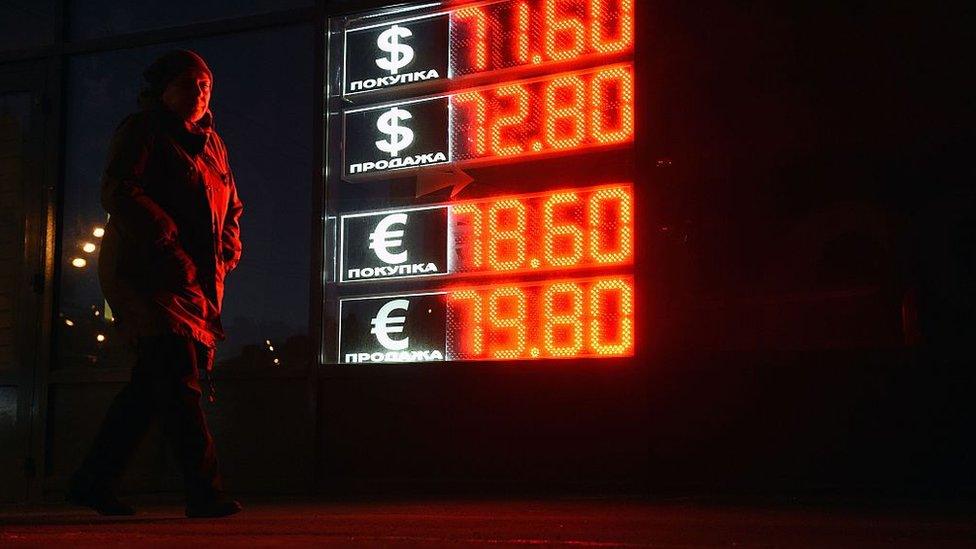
[[69, 322], [276, 361], [267, 342], [79, 262], [270, 348], [98, 232], [100, 338], [88, 247], [96, 312]]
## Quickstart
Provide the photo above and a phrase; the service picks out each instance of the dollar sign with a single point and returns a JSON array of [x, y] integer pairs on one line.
[[400, 136], [400, 54]]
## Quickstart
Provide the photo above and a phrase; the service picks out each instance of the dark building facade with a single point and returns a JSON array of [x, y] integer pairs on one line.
[[805, 244]]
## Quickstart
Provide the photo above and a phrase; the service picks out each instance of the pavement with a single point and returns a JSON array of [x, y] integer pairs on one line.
[[676, 522]]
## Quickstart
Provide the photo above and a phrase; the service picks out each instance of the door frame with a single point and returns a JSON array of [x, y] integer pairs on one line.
[[34, 293]]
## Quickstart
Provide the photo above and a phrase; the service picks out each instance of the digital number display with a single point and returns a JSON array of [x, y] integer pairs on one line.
[[557, 114], [569, 318], [562, 229], [485, 37], [558, 319], [565, 112], [520, 32]]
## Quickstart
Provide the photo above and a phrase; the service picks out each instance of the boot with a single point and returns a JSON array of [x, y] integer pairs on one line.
[[221, 506], [86, 492]]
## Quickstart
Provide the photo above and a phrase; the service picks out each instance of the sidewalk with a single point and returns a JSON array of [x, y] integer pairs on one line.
[[597, 522]]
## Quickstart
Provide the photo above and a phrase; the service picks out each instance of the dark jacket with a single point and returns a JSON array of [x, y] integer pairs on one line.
[[173, 232]]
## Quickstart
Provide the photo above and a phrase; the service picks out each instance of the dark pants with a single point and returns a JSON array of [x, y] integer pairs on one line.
[[165, 385]]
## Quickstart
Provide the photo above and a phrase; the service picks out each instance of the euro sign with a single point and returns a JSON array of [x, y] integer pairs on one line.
[[400, 136], [383, 325], [382, 239], [400, 54]]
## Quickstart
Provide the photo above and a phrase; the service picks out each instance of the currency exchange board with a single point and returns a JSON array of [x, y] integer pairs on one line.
[[479, 173]]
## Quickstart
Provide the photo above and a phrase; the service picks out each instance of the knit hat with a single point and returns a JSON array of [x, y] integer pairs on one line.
[[170, 65]]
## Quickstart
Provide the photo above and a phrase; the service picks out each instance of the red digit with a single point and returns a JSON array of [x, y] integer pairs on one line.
[[506, 312], [599, 20], [559, 27], [521, 45], [467, 305], [520, 97], [479, 50], [513, 233], [568, 313], [565, 98], [620, 81], [621, 247], [475, 241], [478, 116], [624, 330], [566, 233]]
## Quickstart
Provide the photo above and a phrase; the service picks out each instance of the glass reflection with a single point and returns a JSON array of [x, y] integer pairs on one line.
[[263, 109]]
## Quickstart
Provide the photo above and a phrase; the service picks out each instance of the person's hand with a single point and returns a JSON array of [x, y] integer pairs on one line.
[[177, 266]]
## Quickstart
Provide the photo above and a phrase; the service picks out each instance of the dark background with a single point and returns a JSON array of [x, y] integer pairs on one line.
[[820, 248], [809, 245]]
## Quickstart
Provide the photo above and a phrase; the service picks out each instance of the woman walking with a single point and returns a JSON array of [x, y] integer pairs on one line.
[[173, 235]]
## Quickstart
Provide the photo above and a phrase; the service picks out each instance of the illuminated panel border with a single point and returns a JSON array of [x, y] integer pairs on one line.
[[559, 319], [539, 126], [555, 230]]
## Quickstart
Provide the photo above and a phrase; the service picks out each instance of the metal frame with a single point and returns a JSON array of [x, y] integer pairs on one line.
[[32, 292], [635, 368]]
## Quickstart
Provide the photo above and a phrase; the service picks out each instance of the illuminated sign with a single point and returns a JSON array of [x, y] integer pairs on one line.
[[509, 34], [408, 328], [405, 135], [392, 54], [563, 229], [560, 319], [481, 174], [394, 244], [485, 37], [563, 113], [560, 113]]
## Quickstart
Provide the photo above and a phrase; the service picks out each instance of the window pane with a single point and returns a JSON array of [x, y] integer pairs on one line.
[[15, 126], [26, 23], [95, 18], [262, 105]]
